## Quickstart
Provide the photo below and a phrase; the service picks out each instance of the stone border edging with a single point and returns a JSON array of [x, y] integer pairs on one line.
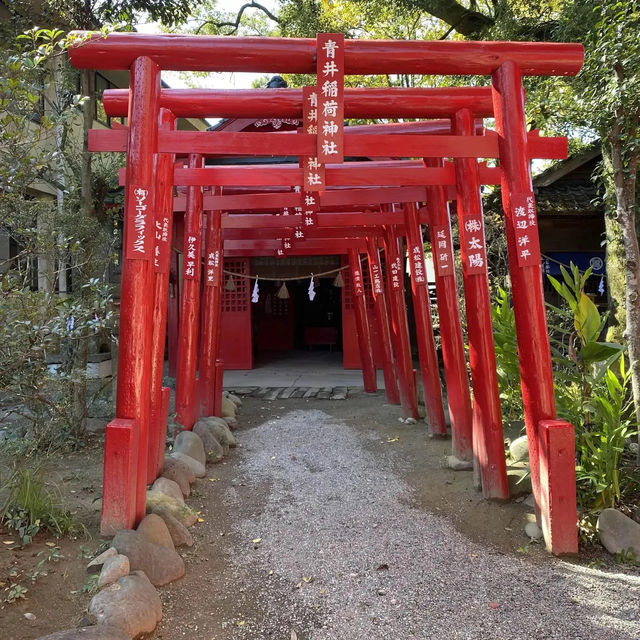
[[140, 560]]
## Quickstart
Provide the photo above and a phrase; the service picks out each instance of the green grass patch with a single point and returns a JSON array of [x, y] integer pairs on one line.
[[28, 505]]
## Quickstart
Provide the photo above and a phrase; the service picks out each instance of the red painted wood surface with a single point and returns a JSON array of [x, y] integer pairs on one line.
[[162, 231], [362, 322], [244, 252], [558, 486], [298, 55], [526, 282], [136, 303], [331, 198], [341, 232], [187, 401], [506, 61], [173, 314], [376, 277], [350, 346], [327, 221], [166, 404], [383, 174], [455, 366], [429, 368], [379, 145], [217, 397], [330, 96], [343, 176], [211, 301], [311, 246], [400, 327], [313, 180], [392, 102], [372, 145], [120, 476], [434, 127], [487, 417], [237, 332]]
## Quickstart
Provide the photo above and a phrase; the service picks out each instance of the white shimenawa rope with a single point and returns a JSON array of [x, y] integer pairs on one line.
[[291, 279]]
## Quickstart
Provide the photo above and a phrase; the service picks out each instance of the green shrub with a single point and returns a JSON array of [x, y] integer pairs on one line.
[[592, 391], [508, 367]]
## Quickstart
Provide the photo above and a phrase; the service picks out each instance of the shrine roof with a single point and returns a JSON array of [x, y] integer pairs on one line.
[[567, 187], [568, 199]]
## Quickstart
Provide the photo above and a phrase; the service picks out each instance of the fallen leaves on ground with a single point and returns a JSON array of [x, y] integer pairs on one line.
[[305, 580]]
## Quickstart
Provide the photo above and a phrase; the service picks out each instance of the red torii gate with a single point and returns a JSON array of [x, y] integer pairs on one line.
[[488, 419], [208, 102], [506, 62]]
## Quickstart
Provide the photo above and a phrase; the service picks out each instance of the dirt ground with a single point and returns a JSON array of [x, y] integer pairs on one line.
[[57, 599], [218, 599]]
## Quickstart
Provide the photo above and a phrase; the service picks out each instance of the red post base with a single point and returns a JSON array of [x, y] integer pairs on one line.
[[164, 425], [558, 509], [217, 392], [195, 409], [158, 435], [173, 315], [119, 481]]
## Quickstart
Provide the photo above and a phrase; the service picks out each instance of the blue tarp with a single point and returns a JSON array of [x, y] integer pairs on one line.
[[583, 260]]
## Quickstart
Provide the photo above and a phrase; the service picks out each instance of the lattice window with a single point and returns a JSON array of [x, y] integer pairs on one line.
[[237, 299], [280, 307]]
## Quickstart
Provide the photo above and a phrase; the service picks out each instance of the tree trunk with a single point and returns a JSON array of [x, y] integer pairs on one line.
[[615, 256], [88, 110], [81, 352], [624, 175], [465, 21], [46, 255]]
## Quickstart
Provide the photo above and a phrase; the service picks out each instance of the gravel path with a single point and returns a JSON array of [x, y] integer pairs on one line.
[[345, 554]]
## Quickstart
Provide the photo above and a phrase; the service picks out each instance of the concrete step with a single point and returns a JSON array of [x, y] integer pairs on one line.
[[285, 393]]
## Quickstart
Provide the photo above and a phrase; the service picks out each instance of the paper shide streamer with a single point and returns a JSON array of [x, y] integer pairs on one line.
[[311, 290]]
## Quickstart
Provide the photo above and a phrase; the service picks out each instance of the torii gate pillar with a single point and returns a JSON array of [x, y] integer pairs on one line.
[[455, 366], [160, 395], [362, 322], [125, 456], [561, 535], [376, 277], [488, 442], [187, 398], [429, 370], [398, 308], [211, 301]]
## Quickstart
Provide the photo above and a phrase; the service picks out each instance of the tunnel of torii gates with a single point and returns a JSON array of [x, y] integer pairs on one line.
[[359, 209]]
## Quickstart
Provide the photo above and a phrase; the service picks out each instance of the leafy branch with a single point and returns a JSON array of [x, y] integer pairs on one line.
[[235, 24]]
